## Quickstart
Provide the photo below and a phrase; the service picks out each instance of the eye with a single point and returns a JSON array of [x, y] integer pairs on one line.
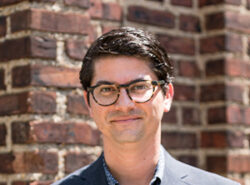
[[106, 90], [139, 87]]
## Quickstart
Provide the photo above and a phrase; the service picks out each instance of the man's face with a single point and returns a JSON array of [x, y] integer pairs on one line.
[[127, 121]]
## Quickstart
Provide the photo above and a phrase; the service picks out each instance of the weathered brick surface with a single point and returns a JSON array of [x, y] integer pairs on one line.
[[213, 92], [28, 102], [239, 163], [2, 83], [26, 47], [217, 164], [74, 161], [215, 21], [3, 133], [235, 93], [49, 132], [50, 21], [237, 21], [107, 11], [191, 116], [174, 140], [3, 26], [41, 75], [203, 3], [31, 182], [9, 2], [220, 43], [78, 3], [28, 162], [185, 3], [149, 16], [184, 93], [190, 23], [174, 44], [188, 69], [76, 105], [76, 49], [170, 117], [222, 139]]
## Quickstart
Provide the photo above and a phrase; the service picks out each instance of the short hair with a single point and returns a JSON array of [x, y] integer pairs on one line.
[[127, 41]]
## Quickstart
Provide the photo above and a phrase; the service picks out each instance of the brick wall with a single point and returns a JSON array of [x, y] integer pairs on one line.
[[45, 130]]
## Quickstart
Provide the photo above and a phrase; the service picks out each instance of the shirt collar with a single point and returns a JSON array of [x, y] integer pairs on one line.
[[159, 170]]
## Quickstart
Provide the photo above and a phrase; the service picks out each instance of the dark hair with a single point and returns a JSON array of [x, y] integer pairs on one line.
[[129, 42]]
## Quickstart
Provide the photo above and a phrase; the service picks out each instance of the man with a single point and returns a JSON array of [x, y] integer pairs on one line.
[[126, 77]]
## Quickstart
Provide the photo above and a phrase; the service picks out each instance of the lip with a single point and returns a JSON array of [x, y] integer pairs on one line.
[[125, 119]]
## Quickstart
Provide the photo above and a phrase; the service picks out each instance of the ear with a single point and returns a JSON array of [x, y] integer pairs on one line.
[[168, 97], [85, 96]]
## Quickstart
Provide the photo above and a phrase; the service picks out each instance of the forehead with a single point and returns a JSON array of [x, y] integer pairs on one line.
[[122, 69]]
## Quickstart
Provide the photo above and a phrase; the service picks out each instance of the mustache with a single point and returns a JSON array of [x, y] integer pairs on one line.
[[132, 112]]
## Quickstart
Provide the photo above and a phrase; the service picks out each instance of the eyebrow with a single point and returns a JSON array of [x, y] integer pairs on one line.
[[100, 82]]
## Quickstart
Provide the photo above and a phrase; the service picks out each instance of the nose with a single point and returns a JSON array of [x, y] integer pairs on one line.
[[124, 100]]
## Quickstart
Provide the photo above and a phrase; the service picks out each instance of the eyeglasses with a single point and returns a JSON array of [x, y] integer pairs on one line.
[[139, 91]]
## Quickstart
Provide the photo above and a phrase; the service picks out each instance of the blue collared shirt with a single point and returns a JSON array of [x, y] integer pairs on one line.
[[159, 171]]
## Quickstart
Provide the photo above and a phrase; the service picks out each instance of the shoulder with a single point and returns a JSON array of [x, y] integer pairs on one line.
[[193, 176], [85, 176]]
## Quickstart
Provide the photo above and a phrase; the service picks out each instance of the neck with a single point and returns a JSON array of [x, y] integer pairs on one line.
[[133, 163]]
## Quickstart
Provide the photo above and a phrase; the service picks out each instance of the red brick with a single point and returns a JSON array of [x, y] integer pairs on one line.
[[177, 45], [235, 114], [79, 3], [248, 51], [191, 116], [190, 23], [49, 132], [222, 139], [112, 11], [184, 92], [178, 140], [27, 162], [237, 21], [235, 93], [41, 75], [216, 164], [213, 92], [9, 2], [76, 49], [237, 67], [219, 43], [32, 183], [216, 115], [76, 105], [239, 163], [170, 117], [74, 161], [3, 26], [189, 159], [149, 16], [185, 3], [3, 133], [2, 77], [215, 67], [215, 21], [28, 102], [217, 2], [188, 69], [246, 116], [44, 20], [96, 9], [35, 47]]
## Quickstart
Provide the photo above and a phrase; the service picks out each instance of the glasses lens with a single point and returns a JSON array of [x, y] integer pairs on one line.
[[105, 94], [141, 91]]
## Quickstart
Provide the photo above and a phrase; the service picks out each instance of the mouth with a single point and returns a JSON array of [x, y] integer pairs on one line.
[[125, 119]]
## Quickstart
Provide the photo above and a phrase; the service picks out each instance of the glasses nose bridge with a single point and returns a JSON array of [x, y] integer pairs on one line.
[[126, 87]]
